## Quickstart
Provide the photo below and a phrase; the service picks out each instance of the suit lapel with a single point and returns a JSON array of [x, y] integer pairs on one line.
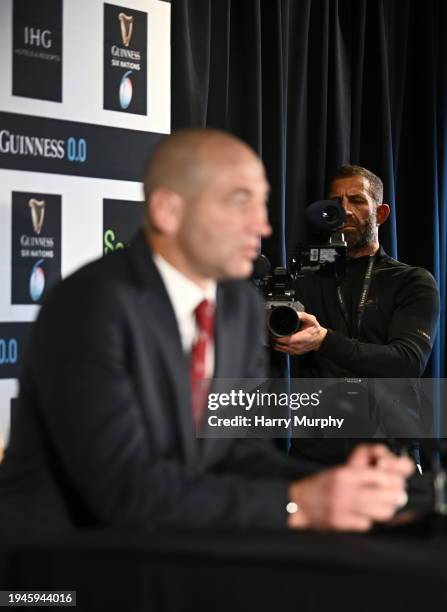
[[224, 340], [159, 319], [226, 334]]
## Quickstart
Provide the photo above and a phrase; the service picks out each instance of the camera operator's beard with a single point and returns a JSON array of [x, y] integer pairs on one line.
[[359, 239]]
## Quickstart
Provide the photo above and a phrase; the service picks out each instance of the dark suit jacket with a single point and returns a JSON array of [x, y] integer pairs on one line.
[[102, 433]]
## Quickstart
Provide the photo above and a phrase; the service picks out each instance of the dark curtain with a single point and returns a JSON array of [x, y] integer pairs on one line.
[[311, 84]]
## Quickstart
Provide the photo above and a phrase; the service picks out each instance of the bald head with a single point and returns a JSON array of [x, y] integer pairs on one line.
[[206, 195], [187, 160]]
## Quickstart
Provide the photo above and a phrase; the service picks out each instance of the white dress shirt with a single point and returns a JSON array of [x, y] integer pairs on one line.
[[185, 296]]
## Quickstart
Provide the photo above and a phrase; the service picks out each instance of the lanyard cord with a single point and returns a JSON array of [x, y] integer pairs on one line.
[[363, 296]]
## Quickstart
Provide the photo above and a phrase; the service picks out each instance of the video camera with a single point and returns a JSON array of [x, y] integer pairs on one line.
[[278, 286]]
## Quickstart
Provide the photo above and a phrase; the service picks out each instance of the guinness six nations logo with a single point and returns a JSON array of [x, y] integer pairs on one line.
[[36, 245], [125, 60]]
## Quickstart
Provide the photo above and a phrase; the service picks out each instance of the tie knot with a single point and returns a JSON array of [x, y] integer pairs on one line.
[[205, 316]]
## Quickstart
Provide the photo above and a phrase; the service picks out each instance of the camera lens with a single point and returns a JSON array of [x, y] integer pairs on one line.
[[283, 321]]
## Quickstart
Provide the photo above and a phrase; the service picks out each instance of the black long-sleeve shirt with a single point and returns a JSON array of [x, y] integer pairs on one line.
[[395, 340], [398, 327]]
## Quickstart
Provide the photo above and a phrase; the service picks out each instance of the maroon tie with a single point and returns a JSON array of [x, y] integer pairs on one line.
[[197, 363]]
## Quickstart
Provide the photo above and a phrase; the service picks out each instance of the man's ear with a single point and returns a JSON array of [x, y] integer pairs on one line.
[[165, 208], [382, 213]]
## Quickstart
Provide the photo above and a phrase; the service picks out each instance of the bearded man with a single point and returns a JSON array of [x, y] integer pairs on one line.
[[369, 316]]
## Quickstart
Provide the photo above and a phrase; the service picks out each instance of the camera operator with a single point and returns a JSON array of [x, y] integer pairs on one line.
[[368, 316]]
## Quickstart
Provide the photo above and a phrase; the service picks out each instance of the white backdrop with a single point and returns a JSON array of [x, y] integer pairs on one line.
[[81, 235]]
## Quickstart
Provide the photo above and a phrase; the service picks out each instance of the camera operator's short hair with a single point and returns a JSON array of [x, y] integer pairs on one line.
[[375, 183]]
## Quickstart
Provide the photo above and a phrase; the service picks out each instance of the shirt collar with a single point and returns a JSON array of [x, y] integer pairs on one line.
[[184, 294]]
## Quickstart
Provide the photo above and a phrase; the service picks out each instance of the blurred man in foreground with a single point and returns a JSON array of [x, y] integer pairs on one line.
[[104, 431]]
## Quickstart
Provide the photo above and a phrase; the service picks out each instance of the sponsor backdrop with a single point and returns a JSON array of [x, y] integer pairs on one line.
[[85, 96]]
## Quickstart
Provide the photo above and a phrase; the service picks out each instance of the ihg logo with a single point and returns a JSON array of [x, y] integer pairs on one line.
[[35, 37]]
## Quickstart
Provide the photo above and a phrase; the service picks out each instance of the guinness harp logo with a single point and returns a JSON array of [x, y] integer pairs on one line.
[[37, 213], [126, 23], [125, 59], [36, 245]]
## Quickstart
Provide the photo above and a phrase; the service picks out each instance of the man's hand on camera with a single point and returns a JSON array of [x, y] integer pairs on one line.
[[308, 338], [369, 488]]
